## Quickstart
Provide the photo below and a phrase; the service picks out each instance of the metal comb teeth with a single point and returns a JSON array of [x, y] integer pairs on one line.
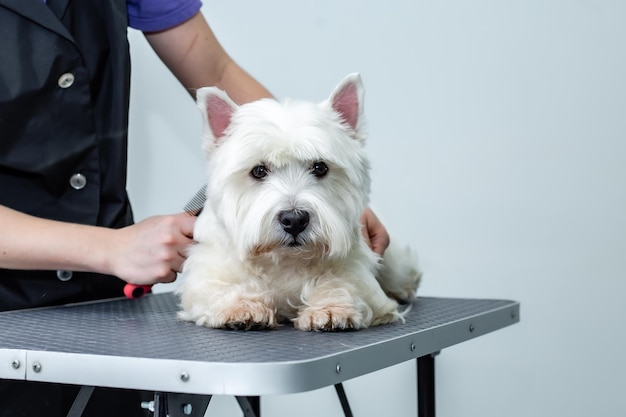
[[195, 205]]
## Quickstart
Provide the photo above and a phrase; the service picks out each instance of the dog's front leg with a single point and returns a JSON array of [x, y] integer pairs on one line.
[[330, 307], [342, 303], [240, 310], [222, 303]]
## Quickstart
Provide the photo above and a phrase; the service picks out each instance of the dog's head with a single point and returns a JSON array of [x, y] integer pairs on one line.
[[288, 178]]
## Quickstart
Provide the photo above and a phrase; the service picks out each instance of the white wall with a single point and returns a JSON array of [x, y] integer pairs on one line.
[[498, 141]]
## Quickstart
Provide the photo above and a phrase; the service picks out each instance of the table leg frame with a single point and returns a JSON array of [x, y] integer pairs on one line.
[[426, 386], [80, 402], [176, 404]]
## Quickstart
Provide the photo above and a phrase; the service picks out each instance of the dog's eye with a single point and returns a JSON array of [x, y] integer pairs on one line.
[[259, 172], [319, 169]]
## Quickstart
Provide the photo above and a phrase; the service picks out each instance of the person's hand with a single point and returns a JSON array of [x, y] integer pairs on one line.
[[152, 250], [374, 232]]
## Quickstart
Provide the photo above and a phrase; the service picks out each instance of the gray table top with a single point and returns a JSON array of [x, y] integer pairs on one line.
[[140, 344]]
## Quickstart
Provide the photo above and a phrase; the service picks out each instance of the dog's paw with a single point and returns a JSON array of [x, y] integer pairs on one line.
[[243, 315], [387, 318], [329, 318], [249, 315]]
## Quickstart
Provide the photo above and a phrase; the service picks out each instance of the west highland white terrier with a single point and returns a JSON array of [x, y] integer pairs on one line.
[[279, 236]]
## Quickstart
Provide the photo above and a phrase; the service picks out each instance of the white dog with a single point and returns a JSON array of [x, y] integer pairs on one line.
[[279, 235]]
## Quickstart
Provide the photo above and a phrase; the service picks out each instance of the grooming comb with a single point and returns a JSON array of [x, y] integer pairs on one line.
[[195, 205]]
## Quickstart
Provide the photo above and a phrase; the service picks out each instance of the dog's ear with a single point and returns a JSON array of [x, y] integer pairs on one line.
[[217, 110], [347, 100]]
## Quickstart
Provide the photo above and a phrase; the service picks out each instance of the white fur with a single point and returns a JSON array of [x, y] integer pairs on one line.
[[247, 271]]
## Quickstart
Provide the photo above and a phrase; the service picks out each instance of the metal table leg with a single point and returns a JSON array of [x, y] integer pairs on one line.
[[79, 404], [345, 405], [187, 405], [251, 406], [160, 404], [426, 386]]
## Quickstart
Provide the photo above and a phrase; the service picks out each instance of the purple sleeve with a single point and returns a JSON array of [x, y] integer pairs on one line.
[[155, 15]]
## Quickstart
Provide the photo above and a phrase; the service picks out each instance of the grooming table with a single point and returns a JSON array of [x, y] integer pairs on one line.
[[140, 344]]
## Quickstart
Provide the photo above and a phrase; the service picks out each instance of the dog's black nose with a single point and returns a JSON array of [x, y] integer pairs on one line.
[[294, 221]]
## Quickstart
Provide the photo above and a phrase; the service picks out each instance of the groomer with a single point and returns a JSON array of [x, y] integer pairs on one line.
[[66, 226]]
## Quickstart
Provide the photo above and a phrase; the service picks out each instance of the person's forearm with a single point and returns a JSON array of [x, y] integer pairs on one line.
[[147, 252], [28, 242], [194, 55], [240, 86]]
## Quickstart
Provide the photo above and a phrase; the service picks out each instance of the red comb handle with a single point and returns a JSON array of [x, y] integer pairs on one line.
[[136, 291]]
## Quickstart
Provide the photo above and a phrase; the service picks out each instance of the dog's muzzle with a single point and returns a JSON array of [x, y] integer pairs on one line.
[[294, 222]]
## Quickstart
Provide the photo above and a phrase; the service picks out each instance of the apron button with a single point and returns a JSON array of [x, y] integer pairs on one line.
[[64, 275], [78, 181], [66, 80]]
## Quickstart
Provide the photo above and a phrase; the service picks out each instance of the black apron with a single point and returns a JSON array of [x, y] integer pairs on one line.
[[64, 92]]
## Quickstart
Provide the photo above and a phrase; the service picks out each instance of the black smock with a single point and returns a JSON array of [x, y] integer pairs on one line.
[[64, 93]]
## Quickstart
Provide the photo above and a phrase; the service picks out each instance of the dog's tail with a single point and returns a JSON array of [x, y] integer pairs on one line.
[[399, 274]]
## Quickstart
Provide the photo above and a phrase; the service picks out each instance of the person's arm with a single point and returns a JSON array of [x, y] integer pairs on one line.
[[148, 252], [194, 55], [374, 232]]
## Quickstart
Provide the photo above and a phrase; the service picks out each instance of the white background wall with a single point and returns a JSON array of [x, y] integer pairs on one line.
[[498, 141]]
